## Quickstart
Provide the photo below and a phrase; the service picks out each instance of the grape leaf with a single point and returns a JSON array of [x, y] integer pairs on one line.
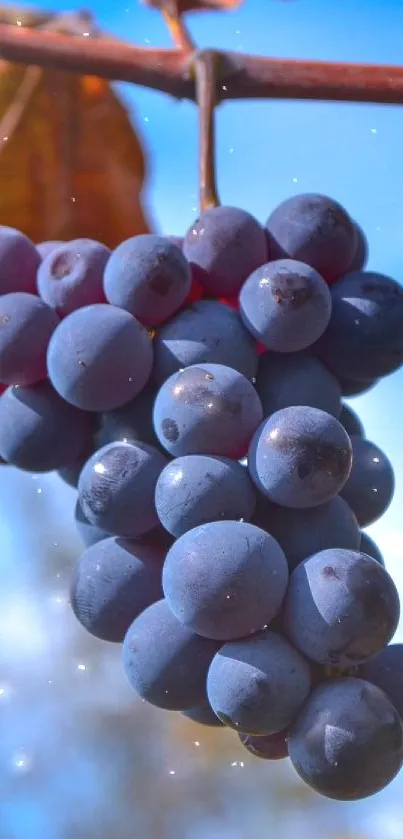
[[71, 162]]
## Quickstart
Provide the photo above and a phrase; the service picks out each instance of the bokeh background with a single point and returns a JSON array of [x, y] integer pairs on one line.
[[80, 756]]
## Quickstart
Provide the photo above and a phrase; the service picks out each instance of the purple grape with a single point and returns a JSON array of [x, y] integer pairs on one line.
[[45, 248], [208, 332], [351, 422], [40, 432], [113, 582], [364, 339], [207, 409], [370, 487], [99, 357], [285, 380], [286, 305], [166, 663], [225, 579], [204, 715], [368, 546], [353, 387], [225, 245], [386, 672], [360, 258], [71, 275], [89, 533], [316, 230], [116, 488], [300, 457], [267, 747], [302, 533], [149, 277], [26, 324], [347, 742], [19, 262], [176, 240], [341, 608], [70, 474], [133, 421], [197, 489], [258, 685]]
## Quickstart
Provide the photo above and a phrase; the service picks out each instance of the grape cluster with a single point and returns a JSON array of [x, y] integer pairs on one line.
[[191, 389]]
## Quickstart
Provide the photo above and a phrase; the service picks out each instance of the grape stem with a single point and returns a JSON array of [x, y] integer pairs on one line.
[[174, 20], [167, 70], [205, 65]]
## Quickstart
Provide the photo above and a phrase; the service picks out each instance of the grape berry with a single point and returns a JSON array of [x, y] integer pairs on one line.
[[190, 389]]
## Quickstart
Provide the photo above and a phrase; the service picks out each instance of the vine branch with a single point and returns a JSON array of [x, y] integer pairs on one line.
[[168, 70], [206, 67]]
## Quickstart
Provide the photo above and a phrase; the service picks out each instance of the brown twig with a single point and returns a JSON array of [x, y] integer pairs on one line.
[[173, 16], [244, 76], [206, 72]]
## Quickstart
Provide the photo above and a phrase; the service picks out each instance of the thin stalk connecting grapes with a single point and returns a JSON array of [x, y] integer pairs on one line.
[[206, 66]]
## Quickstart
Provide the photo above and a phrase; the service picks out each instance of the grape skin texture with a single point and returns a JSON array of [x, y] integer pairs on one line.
[[297, 379], [371, 483], [353, 387], [19, 262], [368, 546], [361, 252], [313, 229], [47, 247], [386, 672], [149, 277], [113, 582], [197, 489], [267, 747], [341, 608], [286, 305], [302, 533], [40, 432], [258, 685], [300, 457], [225, 245], [133, 421], [117, 485], [26, 324], [364, 339], [71, 275], [225, 579], [99, 357], [204, 715], [351, 422], [88, 533], [207, 409], [347, 742], [164, 662], [206, 332], [70, 474]]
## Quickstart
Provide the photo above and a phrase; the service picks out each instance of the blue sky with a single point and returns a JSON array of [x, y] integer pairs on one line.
[[265, 152]]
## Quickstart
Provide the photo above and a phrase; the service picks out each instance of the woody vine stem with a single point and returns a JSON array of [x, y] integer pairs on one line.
[[185, 73]]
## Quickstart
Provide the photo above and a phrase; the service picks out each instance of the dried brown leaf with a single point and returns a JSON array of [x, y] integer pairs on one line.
[[71, 162]]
